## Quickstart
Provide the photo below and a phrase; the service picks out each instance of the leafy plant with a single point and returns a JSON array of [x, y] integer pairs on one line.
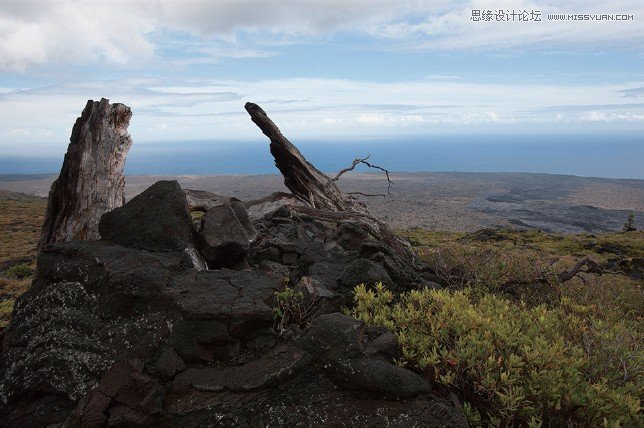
[[20, 271], [6, 307], [293, 309], [512, 364]]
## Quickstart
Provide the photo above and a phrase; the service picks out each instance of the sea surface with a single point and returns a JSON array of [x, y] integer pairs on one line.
[[596, 155]]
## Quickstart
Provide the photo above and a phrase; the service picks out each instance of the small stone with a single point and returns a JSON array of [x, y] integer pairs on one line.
[[289, 258], [169, 364]]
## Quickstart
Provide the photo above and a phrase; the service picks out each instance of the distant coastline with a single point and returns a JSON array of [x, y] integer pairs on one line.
[[600, 155]]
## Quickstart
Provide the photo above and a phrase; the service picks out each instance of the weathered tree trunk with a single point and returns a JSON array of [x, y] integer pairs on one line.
[[302, 178], [91, 181], [308, 183]]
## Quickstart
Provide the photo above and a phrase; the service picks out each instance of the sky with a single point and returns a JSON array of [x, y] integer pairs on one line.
[[335, 70]]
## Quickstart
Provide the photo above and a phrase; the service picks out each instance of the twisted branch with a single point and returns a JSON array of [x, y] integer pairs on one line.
[[370, 165]]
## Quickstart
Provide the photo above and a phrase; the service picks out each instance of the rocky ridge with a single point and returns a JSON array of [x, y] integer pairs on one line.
[[170, 321]]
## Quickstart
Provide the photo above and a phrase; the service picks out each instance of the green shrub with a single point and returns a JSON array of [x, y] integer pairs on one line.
[[293, 309], [512, 364], [486, 268], [6, 307], [20, 271]]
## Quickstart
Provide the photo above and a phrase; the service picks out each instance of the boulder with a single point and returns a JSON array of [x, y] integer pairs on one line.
[[364, 271], [260, 208], [225, 234], [337, 343], [169, 364], [123, 397], [155, 220], [200, 200], [94, 303]]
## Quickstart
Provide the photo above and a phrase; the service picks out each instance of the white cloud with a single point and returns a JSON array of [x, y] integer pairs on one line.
[[595, 116], [485, 117], [36, 32], [333, 109], [39, 32]]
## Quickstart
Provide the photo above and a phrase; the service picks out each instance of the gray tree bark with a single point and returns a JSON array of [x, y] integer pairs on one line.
[[91, 181], [318, 190], [302, 178]]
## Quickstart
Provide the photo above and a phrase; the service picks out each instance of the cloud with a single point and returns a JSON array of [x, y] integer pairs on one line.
[[312, 17], [213, 109], [37, 33], [594, 116], [455, 29], [633, 92], [485, 117]]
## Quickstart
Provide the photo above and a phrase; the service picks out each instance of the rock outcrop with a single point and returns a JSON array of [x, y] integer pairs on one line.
[[91, 181], [129, 330]]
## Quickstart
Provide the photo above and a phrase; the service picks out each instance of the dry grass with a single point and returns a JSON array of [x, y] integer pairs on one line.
[[21, 218], [512, 262]]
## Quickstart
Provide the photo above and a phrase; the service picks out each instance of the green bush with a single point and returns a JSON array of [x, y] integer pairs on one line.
[[512, 364], [293, 309], [20, 271], [6, 307]]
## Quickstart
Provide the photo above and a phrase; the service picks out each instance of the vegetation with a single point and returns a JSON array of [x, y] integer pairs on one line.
[[514, 365], [21, 219], [629, 226], [20, 271], [293, 309], [516, 343]]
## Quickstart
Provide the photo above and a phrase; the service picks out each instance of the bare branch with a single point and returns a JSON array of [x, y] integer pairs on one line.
[[355, 163], [370, 165], [591, 267], [366, 194]]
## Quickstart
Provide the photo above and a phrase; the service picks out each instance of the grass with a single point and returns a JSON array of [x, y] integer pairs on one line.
[[514, 342], [520, 263], [21, 218]]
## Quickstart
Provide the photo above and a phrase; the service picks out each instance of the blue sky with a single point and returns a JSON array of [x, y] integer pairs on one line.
[[323, 70]]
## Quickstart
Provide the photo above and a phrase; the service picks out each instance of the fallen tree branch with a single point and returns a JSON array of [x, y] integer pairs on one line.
[[302, 178], [323, 198], [355, 163], [366, 194], [591, 267]]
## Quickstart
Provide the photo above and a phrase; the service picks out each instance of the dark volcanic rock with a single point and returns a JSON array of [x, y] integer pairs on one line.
[[123, 397], [131, 337], [132, 330], [225, 234], [93, 304], [200, 200], [364, 271], [169, 364], [336, 341], [260, 208], [156, 220], [91, 181]]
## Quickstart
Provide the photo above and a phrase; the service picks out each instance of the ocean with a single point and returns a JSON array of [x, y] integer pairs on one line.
[[596, 155]]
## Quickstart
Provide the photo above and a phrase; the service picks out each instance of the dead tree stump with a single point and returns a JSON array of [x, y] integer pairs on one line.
[[91, 181], [319, 191]]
